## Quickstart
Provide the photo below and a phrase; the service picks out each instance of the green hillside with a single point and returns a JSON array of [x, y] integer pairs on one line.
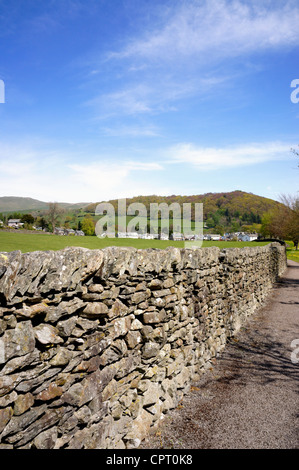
[[16, 204], [233, 201], [221, 209], [20, 204]]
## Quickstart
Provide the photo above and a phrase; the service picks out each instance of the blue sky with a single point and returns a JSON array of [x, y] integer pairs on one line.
[[118, 98]]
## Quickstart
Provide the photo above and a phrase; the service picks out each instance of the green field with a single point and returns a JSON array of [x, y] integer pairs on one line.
[[25, 242], [291, 252]]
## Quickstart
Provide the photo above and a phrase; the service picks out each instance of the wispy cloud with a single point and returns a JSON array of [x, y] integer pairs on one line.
[[29, 170], [228, 157], [147, 97], [190, 51], [219, 27], [128, 101], [131, 131], [112, 179]]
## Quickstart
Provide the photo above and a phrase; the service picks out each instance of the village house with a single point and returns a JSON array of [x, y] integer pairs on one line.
[[149, 236], [79, 233], [213, 236], [132, 235], [248, 237], [177, 236], [59, 231], [121, 234], [15, 223], [107, 234], [68, 231], [164, 236], [193, 237]]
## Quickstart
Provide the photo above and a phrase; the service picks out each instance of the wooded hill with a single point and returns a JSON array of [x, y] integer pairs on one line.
[[222, 209]]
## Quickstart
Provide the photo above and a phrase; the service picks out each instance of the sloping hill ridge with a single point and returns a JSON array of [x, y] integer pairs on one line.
[[235, 202], [19, 204], [14, 204]]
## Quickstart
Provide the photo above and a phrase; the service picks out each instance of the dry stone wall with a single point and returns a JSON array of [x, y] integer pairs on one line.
[[97, 345]]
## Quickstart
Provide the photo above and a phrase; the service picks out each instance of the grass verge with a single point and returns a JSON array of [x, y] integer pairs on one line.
[[292, 254]]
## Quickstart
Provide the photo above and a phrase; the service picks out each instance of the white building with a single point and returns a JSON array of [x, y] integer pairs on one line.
[[127, 235], [177, 236], [148, 236], [108, 235], [164, 236], [132, 235], [213, 236], [15, 223], [249, 237], [59, 231], [122, 234], [79, 233]]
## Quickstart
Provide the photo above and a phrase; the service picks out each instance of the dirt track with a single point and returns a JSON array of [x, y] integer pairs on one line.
[[249, 399]]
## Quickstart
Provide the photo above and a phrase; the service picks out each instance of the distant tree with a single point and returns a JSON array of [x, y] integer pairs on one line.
[[88, 226], [210, 222], [253, 228], [283, 222], [15, 215], [291, 223], [27, 219], [296, 153], [3, 217], [41, 222], [53, 215], [67, 221], [235, 227], [219, 230]]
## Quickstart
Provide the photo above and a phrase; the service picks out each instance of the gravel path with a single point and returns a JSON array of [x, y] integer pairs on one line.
[[249, 399]]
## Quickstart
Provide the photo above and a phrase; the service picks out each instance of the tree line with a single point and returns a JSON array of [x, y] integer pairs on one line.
[[51, 219], [283, 222]]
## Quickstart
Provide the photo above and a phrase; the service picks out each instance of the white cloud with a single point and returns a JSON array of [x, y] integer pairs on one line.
[[131, 131], [211, 158], [221, 27], [192, 50], [110, 180], [29, 171], [128, 101], [151, 98]]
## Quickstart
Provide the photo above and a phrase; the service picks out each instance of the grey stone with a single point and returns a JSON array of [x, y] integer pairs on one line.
[[23, 403], [46, 439], [5, 416], [150, 350], [154, 317], [17, 342], [47, 334], [95, 309]]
